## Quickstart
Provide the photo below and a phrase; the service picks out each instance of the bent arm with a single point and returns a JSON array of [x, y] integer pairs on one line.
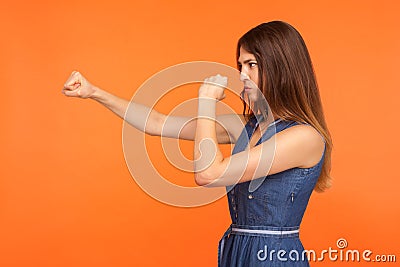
[[298, 146]]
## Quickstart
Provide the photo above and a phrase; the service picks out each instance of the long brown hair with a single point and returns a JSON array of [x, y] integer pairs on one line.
[[287, 81]]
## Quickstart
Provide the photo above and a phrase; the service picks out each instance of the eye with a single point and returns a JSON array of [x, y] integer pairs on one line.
[[252, 64]]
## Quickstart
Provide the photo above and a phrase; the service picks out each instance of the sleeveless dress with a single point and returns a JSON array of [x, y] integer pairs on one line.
[[265, 222]]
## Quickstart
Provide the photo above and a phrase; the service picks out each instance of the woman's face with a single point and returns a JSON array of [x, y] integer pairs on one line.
[[249, 73]]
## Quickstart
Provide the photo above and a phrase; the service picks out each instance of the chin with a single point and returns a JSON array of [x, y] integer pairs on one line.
[[253, 97]]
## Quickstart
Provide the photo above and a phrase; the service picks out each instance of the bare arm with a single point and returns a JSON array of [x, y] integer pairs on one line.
[[299, 146], [146, 119]]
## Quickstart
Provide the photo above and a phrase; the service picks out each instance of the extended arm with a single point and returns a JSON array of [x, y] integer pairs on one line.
[[144, 118]]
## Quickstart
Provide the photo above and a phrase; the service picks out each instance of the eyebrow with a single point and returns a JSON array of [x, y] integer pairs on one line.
[[246, 61]]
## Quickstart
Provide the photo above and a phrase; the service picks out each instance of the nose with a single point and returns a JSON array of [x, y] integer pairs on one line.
[[244, 76]]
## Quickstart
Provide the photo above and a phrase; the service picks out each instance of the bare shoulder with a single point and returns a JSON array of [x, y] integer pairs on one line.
[[305, 140], [304, 132]]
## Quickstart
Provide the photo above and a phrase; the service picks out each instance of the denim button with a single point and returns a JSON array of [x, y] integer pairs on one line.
[[250, 196]]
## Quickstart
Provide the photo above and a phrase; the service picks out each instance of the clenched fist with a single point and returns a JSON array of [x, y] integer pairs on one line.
[[214, 87], [78, 86]]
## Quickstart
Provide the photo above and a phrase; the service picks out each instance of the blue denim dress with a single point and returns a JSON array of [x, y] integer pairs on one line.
[[265, 222]]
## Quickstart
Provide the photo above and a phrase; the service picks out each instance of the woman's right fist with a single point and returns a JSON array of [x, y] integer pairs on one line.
[[78, 86]]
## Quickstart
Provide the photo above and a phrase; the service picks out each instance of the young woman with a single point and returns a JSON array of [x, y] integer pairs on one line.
[[275, 65]]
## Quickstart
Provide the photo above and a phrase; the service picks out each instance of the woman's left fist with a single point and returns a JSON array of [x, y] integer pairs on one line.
[[213, 87]]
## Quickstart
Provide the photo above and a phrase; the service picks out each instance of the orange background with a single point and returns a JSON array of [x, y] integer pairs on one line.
[[66, 196]]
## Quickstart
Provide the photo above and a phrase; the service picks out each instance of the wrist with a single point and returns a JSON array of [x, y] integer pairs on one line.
[[206, 107], [96, 93], [207, 99], [208, 95]]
